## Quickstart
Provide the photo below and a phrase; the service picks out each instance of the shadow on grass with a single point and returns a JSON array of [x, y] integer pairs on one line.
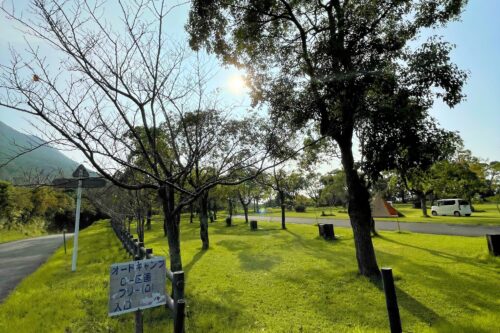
[[442, 283], [416, 308], [217, 315], [194, 260], [255, 262], [475, 262]]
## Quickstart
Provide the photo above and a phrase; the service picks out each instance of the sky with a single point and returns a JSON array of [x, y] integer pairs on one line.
[[477, 40]]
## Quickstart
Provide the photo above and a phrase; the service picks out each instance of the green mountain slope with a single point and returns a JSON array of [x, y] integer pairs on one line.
[[46, 160]]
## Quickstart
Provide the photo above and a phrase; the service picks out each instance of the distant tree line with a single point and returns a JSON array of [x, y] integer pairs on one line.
[[43, 208]]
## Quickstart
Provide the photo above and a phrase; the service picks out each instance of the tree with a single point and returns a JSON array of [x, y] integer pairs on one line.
[[334, 191], [456, 179], [330, 62], [246, 191], [492, 171], [404, 138], [124, 95], [286, 185], [313, 188]]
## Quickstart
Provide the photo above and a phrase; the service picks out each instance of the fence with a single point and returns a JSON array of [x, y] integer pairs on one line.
[[136, 249]]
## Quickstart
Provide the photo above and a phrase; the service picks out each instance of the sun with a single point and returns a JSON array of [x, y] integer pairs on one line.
[[236, 84]]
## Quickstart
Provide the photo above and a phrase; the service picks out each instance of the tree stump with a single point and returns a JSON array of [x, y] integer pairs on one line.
[[493, 244], [253, 225]]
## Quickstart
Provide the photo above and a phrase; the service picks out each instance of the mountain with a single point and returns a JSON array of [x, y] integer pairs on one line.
[[44, 160]]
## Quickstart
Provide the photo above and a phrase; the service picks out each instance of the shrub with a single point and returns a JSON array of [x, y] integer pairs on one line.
[[300, 208]]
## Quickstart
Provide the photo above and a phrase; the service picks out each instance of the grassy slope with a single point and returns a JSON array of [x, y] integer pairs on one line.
[[16, 234], [275, 281], [488, 214]]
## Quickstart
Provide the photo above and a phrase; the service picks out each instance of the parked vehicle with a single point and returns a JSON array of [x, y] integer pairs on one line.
[[457, 207]]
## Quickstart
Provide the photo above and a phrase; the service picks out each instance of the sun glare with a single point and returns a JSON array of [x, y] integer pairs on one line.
[[236, 84]]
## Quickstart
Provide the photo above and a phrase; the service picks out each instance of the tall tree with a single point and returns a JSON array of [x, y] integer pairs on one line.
[[327, 61]]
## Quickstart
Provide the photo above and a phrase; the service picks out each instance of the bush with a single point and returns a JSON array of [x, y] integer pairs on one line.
[[300, 208]]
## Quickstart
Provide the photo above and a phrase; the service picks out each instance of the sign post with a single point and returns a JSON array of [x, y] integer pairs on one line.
[[82, 181], [77, 217]]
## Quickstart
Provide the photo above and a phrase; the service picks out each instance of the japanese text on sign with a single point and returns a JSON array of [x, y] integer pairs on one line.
[[136, 285]]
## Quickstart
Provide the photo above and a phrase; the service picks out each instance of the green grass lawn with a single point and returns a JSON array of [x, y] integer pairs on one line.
[[17, 234], [487, 214], [272, 281]]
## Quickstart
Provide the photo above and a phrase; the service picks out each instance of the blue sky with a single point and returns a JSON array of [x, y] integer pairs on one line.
[[477, 39]]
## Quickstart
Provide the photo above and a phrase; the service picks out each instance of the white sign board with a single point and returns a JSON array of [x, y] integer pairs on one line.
[[136, 285]]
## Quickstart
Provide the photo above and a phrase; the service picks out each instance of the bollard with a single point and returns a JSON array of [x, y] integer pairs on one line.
[[391, 300], [178, 296], [253, 225], [493, 244], [64, 239], [138, 313], [321, 230], [326, 231], [179, 316]]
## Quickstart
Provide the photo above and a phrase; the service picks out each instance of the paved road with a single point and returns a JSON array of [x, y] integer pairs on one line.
[[21, 258], [420, 227]]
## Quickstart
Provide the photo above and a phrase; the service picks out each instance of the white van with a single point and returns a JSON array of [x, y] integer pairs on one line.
[[455, 207]]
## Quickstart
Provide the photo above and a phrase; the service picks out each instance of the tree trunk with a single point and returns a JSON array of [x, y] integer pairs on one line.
[[148, 218], [359, 214], [403, 197], [423, 204], [282, 202], [230, 208], [171, 227], [140, 225], [245, 209], [191, 215], [203, 200]]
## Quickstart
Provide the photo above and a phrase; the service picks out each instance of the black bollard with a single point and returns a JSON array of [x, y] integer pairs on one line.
[[253, 225], [326, 231], [391, 300], [493, 244], [64, 239], [321, 229]]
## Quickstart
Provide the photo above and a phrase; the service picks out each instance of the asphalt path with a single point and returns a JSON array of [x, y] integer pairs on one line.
[[419, 227], [20, 258]]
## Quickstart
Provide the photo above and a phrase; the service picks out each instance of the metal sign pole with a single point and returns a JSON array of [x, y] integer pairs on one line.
[[77, 222]]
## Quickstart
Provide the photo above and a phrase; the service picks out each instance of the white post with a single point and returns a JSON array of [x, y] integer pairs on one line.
[[77, 222]]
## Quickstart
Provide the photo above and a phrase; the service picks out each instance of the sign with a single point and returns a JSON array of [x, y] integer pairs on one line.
[[73, 183], [137, 285], [81, 172], [82, 181]]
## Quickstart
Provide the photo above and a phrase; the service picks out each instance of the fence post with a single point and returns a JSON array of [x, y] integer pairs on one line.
[[178, 296], [179, 316], [391, 300], [138, 313], [493, 244]]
